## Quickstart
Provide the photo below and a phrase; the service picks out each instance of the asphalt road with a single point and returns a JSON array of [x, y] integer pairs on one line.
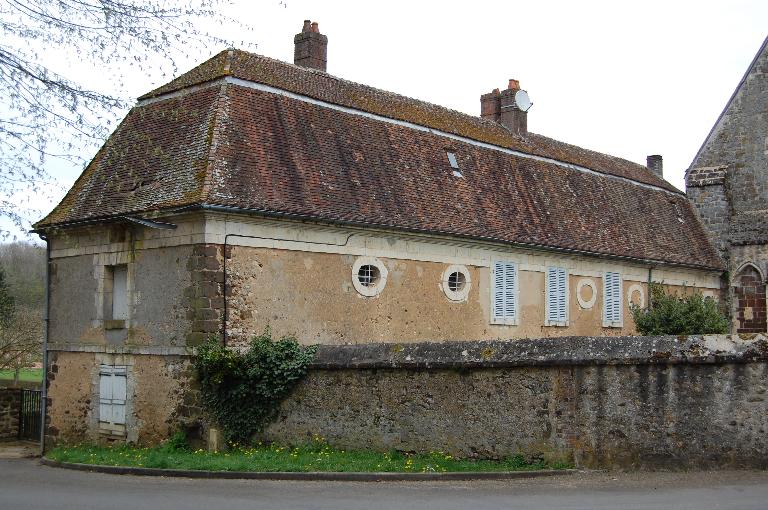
[[24, 484]]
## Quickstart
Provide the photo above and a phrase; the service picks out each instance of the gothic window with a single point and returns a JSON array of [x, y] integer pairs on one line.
[[749, 301]]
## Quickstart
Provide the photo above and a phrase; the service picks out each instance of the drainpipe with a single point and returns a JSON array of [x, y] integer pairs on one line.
[[46, 322], [650, 281]]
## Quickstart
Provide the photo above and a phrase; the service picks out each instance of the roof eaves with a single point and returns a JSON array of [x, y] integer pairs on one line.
[[488, 239]]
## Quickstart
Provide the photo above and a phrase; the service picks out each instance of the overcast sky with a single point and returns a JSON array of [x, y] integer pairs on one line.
[[626, 79]]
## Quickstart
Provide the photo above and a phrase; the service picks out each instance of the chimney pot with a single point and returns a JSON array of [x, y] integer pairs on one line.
[[310, 47], [656, 164], [514, 84]]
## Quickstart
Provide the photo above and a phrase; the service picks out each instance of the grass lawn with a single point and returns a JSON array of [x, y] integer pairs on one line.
[[25, 375], [317, 456]]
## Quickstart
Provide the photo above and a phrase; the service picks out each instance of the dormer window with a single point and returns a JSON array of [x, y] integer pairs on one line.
[[454, 164]]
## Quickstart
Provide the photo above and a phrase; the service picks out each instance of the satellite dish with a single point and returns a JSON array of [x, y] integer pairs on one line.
[[522, 100]]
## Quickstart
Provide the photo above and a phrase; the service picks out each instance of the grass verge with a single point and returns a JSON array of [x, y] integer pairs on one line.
[[25, 375], [316, 456]]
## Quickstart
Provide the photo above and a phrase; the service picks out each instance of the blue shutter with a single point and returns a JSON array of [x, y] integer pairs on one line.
[[612, 299], [557, 296], [504, 291]]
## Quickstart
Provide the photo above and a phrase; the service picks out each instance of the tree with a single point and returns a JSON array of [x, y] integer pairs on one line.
[[21, 306], [21, 341], [7, 304], [49, 116], [670, 314], [26, 277]]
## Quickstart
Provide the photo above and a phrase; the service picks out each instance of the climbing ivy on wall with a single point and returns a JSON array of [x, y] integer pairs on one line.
[[670, 314], [243, 389]]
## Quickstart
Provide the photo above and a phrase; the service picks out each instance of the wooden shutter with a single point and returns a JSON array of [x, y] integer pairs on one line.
[[557, 296], [112, 394], [105, 395], [504, 291], [612, 300]]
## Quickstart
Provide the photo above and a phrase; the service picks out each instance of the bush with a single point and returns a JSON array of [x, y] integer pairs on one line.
[[670, 314], [243, 390], [176, 443]]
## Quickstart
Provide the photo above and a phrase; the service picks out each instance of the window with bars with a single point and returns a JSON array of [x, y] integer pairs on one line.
[[456, 281], [612, 300], [556, 297], [112, 395], [368, 275], [504, 293]]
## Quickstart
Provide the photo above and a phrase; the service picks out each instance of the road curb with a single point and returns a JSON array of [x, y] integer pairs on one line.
[[308, 476]]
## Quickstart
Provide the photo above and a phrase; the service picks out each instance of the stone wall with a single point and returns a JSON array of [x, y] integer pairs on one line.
[[162, 397], [629, 402], [739, 139], [708, 192], [10, 402]]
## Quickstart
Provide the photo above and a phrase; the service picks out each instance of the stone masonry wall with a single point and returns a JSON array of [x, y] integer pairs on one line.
[[162, 397], [629, 402], [10, 402], [740, 140], [706, 189], [205, 295]]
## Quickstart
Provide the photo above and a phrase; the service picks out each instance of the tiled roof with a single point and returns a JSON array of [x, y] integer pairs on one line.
[[325, 87], [238, 146]]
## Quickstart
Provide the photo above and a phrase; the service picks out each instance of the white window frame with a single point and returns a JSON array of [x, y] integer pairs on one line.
[[559, 315], [370, 290], [461, 294], [113, 397], [613, 289], [509, 316]]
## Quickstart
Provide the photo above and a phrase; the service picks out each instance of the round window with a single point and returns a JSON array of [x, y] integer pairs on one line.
[[369, 276], [456, 283]]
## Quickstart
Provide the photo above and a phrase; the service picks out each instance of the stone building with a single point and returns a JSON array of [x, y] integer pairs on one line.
[[250, 192], [727, 183]]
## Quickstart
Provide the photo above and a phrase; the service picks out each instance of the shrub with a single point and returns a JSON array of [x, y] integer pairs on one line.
[[670, 314], [176, 443], [243, 390]]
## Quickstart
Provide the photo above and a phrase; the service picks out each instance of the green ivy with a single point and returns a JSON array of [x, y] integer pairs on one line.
[[670, 314], [243, 390]]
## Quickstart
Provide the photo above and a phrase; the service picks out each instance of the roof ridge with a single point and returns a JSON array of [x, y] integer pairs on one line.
[[474, 118], [213, 136], [257, 68]]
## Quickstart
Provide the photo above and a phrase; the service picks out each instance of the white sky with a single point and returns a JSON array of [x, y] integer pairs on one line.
[[626, 79]]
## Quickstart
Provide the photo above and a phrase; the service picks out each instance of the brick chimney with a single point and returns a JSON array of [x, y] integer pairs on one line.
[[490, 106], [656, 164], [310, 47], [501, 107]]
